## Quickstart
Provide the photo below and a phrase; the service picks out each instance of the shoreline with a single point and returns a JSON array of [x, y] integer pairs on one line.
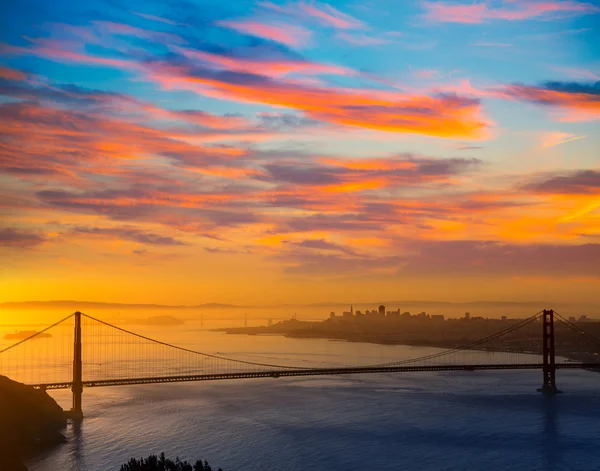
[[407, 343]]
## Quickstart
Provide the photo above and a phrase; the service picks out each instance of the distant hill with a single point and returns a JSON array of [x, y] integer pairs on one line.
[[456, 309], [160, 321], [102, 305]]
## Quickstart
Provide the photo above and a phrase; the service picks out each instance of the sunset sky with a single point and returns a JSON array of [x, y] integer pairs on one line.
[[193, 151]]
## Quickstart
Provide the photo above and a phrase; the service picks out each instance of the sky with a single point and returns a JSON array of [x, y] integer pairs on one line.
[[192, 151]]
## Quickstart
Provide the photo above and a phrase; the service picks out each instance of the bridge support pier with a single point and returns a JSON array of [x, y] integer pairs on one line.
[[77, 388], [548, 352]]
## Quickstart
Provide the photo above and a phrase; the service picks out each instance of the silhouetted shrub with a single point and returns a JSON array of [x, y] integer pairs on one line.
[[160, 463]]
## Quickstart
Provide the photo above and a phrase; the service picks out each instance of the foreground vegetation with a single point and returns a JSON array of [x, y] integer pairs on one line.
[[160, 463]]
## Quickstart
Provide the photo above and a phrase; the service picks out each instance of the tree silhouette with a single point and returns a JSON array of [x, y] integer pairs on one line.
[[160, 463]]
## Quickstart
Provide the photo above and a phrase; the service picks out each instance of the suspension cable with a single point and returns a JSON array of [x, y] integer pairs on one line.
[[37, 333], [469, 345], [577, 329], [183, 349]]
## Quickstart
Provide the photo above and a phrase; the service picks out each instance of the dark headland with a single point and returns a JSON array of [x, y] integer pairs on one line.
[[30, 422]]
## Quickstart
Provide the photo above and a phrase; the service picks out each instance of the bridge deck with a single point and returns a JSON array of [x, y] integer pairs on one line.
[[311, 372]]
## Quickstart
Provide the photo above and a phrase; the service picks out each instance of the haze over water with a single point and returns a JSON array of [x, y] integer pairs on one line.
[[425, 421]]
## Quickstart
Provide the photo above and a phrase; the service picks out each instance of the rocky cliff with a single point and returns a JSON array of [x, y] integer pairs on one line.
[[30, 421]]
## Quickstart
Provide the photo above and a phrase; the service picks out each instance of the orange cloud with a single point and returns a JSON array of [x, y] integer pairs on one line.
[[72, 143], [443, 116]]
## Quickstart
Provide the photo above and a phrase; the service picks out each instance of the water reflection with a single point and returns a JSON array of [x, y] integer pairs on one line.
[[76, 446], [551, 443]]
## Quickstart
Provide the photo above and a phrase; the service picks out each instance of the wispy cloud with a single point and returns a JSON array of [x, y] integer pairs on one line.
[[492, 44], [441, 115], [363, 39], [424, 73], [574, 101], [330, 15], [21, 239], [322, 13], [291, 35], [7, 73], [570, 183], [578, 73], [157, 18], [129, 233], [449, 116], [554, 139], [475, 13]]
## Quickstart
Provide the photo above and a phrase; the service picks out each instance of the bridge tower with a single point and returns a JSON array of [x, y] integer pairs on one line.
[[77, 388], [549, 365]]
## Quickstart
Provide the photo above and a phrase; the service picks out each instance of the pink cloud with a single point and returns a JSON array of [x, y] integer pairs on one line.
[[474, 13], [291, 35], [112, 28], [323, 13], [156, 18], [7, 73], [578, 73], [449, 13], [330, 16], [557, 138], [59, 50], [268, 67], [425, 73]]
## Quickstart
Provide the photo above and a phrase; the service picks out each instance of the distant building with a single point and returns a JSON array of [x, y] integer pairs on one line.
[[572, 319], [331, 315], [270, 322], [467, 315], [504, 318], [437, 317], [382, 310], [406, 315], [583, 318]]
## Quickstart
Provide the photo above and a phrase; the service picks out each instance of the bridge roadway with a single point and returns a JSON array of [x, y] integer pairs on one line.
[[311, 372]]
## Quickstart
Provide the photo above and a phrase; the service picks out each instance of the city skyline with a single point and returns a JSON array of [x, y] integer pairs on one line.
[[268, 152]]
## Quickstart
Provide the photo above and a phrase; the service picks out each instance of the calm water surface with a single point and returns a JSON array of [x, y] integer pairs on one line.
[[417, 421]]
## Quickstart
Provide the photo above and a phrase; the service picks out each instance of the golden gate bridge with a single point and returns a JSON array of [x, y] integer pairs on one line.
[[101, 354]]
